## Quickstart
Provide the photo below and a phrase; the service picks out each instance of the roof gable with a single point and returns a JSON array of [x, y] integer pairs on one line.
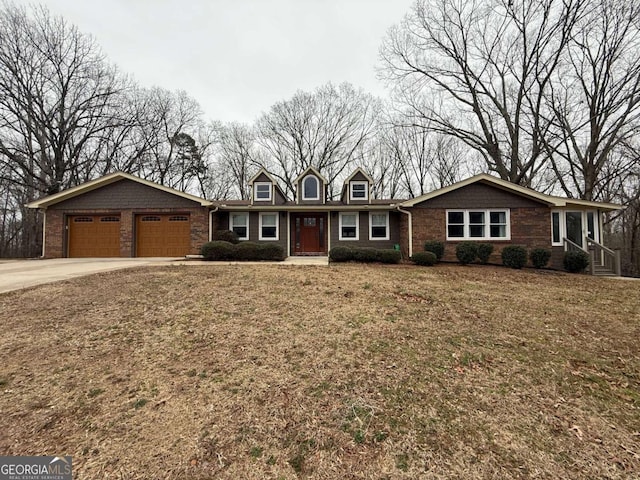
[[311, 169], [360, 171], [107, 180], [549, 200]]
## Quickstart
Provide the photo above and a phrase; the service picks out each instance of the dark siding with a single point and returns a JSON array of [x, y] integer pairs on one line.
[[125, 194], [222, 220], [262, 178], [279, 198], [479, 195], [363, 238]]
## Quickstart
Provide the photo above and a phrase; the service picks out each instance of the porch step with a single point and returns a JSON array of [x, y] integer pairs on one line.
[[600, 271]]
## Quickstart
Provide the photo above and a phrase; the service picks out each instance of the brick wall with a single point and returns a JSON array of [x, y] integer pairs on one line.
[[56, 233], [530, 227]]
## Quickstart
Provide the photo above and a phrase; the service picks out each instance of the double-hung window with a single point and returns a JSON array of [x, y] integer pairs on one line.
[[359, 191], [268, 226], [378, 226], [239, 223], [478, 224], [349, 226], [262, 191]]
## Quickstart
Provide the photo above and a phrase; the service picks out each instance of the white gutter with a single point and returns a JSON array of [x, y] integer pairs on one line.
[[409, 230]]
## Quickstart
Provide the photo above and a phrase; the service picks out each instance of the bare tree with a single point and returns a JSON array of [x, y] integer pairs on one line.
[[57, 95], [237, 151], [478, 70], [324, 129], [595, 101]]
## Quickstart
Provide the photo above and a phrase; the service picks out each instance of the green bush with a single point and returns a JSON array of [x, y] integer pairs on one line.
[[466, 252], [435, 247], [270, 251], [364, 255], [575, 261], [514, 256], [389, 255], [341, 254], [218, 250], [484, 252], [425, 259], [539, 257], [245, 251], [226, 236]]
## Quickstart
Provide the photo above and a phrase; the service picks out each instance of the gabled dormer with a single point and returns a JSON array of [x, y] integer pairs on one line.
[[311, 187], [265, 190], [357, 188]]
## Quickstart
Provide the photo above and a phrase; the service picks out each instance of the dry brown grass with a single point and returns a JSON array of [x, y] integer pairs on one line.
[[350, 371]]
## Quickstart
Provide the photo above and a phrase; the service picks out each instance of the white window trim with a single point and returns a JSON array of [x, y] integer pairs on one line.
[[372, 238], [255, 192], [317, 197], [561, 222], [349, 239], [231, 214], [487, 224], [270, 239], [366, 190]]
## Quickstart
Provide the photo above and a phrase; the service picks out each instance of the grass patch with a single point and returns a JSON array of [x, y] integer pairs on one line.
[[268, 371]]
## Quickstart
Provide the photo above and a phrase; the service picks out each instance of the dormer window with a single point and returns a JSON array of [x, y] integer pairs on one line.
[[262, 191], [359, 191], [310, 188]]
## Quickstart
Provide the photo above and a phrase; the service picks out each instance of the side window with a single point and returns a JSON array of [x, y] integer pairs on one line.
[[348, 226], [379, 226], [239, 223]]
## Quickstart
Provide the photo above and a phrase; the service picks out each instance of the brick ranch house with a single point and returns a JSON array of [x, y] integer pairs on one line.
[[120, 215]]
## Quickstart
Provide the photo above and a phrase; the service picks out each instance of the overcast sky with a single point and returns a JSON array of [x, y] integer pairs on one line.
[[238, 57]]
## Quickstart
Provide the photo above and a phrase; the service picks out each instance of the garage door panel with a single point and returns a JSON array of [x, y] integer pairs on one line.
[[163, 235], [94, 236]]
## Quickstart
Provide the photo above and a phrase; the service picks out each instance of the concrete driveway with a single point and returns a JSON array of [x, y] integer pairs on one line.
[[18, 274]]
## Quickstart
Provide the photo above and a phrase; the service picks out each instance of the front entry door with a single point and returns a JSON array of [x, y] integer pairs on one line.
[[310, 234]]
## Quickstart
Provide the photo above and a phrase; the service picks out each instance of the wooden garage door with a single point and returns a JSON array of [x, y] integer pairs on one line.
[[162, 235], [94, 236]]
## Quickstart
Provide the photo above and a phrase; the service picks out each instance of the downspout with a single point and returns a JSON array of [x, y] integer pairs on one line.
[[211, 212], [44, 230], [409, 229]]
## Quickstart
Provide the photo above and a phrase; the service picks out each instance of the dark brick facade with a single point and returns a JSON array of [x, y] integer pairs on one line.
[[530, 221], [127, 199]]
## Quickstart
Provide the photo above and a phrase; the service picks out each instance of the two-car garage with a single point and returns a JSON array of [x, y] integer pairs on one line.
[[156, 235], [120, 215]]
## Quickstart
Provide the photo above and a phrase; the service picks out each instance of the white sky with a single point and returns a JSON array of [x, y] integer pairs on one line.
[[238, 57]]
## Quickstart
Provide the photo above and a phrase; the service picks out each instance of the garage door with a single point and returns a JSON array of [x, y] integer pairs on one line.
[[162, 235], [94, 236]]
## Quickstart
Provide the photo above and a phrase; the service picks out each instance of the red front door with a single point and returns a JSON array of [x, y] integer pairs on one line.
[[310, 234]]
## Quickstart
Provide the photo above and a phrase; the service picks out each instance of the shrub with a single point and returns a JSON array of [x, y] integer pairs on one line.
[[270, 251], [539, 257], [341, 254], [575, 261], [217, 250], [466, 252], [435, 247], [388, 255], [426, 259], [514, 256], [227, 236], [364, 254], [221, 250], [484, 252]]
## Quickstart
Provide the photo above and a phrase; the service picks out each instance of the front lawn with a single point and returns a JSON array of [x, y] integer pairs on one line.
[[351, 371]]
